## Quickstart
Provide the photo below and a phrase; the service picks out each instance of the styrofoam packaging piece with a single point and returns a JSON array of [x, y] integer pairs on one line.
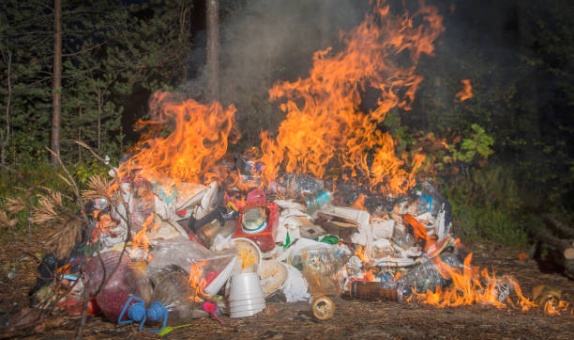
[[244, 314], [273, 275], [247, 300], [246, 306], [383, 229], [245, 284], [363, 236], [252, 296]]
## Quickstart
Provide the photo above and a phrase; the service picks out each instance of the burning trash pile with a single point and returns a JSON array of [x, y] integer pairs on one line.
[[323, 208], [164, 256]]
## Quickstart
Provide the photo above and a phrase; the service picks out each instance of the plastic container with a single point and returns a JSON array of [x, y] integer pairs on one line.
[[323, 270], [246, 297], [174, 291], [117, 281], [258, 221], [248, 253], [273, 275]]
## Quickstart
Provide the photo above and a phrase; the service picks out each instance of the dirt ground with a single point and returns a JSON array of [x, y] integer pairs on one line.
[[352, 319]]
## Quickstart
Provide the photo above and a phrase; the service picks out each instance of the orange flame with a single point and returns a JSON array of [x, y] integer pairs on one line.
[[325, 125], [359, 203], [362, 254], [466, 92], [199, 139], [197, 281], [419, 229], [140, 239], [472, 286], [368, 273]]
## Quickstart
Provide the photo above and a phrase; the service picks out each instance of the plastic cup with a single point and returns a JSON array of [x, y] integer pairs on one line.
[[245, 285], [244, 314], [246, 297], [247, 307]]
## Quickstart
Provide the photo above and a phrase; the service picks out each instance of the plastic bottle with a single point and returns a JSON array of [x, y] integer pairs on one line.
[[115, 282], [317, 201], [427, 276], [375, 291], [172, 288]]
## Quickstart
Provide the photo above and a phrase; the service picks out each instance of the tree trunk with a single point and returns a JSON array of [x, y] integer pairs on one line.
[[57, 83], [213, 49], [5, 134]]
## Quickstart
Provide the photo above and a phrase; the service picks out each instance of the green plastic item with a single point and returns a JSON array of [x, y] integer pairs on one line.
[[329, 239], [166, 330]]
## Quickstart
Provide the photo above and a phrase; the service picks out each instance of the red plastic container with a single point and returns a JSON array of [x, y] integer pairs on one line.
[[258, 220], [118, 285]]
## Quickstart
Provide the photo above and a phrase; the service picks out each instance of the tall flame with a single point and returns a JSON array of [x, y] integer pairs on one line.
[[200, 137], [325, 125]]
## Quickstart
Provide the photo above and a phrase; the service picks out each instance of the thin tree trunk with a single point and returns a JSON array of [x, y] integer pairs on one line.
[[57, 83], [6, 136], [213, 48]]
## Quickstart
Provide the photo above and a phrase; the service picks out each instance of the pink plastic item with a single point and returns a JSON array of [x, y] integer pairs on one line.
[[211, 308]]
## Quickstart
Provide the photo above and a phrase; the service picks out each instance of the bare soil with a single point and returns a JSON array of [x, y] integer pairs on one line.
[[353, 319]]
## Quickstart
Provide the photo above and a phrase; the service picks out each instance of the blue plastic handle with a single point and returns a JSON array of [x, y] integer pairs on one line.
[[136, 312]]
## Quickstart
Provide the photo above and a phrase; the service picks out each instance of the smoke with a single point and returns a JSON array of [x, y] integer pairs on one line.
[[264, 41]]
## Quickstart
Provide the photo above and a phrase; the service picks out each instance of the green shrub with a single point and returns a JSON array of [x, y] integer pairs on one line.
[[486, 205]]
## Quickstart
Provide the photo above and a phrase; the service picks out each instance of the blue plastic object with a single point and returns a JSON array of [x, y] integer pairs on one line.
[[136, 312], [157, 312]]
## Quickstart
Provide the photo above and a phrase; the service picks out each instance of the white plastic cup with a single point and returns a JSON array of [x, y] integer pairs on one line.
[[246, 297], [245, 285], [247, 307]]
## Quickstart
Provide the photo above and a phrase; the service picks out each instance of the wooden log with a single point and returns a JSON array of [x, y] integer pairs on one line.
[[561, 228], [563, 246]]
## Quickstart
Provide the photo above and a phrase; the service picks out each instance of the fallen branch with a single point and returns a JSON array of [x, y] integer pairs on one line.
[[563, 229]]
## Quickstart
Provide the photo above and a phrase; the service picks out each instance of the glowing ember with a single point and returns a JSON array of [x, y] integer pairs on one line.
[[325, 126], [550, 299], [466, 92]]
